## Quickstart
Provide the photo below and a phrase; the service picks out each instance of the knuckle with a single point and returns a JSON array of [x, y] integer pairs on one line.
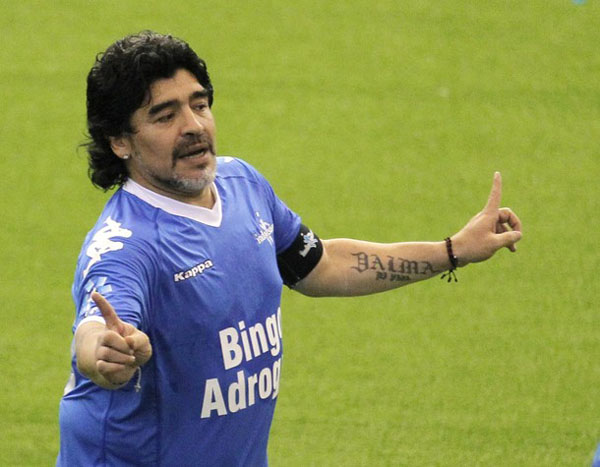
[[102, 367], [101, 353]]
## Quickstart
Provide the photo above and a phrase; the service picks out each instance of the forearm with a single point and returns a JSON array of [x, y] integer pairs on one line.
[[355, 267]]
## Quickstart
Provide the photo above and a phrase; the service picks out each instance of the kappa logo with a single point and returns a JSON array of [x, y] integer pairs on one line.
[[193, 272], [102, 242], [265, 231]]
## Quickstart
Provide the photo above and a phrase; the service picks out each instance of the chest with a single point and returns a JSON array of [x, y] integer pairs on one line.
[[214, 278]]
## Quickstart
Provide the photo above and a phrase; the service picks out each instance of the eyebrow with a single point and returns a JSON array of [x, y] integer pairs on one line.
[[173, 102]]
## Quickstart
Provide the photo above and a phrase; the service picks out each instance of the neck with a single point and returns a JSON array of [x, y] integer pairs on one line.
[[205, 198]]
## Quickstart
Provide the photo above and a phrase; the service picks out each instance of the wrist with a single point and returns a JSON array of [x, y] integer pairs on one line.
[[110, 385], [459, 251], [120, 381], [452, 260]]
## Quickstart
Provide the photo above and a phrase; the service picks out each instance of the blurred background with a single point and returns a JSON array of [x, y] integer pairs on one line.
[[375, 120]]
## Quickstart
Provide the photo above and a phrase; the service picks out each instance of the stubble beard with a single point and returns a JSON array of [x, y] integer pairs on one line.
[[183, 185], [194, 185]]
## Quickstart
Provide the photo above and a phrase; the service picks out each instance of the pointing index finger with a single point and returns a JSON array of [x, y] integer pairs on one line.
[[108, 313], [493, 202]]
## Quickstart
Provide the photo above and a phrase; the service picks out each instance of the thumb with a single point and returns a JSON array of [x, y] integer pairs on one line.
[[140, 344], [109, 314], [508, 239]]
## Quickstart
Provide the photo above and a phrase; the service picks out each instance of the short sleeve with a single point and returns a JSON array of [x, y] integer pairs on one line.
[[123, 277]]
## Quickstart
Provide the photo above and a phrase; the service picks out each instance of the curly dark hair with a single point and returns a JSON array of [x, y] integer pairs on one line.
[[119, 83]]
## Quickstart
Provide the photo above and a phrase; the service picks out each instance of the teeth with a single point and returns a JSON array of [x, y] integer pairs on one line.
[[195, 153]]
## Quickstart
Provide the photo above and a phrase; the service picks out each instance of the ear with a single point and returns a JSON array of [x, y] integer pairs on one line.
[[121, 146]]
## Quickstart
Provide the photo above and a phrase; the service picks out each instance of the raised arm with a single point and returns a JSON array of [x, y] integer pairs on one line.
[[109, 354], [355, 267]]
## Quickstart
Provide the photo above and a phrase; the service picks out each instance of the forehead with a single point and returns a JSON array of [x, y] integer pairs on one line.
[[179, 87]]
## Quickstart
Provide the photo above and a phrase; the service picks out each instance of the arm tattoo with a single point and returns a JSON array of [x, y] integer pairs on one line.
[[392, 268]]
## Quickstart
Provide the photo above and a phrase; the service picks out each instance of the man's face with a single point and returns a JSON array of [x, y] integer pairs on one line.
[[172, 146]]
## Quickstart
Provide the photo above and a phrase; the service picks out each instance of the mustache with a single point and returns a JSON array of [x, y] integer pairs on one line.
[[192, 142]]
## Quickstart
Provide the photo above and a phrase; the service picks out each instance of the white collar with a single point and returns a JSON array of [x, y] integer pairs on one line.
[[206, 216]]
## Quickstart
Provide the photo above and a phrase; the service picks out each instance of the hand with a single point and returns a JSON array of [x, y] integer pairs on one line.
[[121, 348], [487, 232]]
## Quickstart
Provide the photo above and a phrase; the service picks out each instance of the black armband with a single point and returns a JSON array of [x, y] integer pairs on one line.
[[300, 258]]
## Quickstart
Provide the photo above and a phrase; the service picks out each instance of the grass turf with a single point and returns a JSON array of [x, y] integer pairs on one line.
[[377, 121]]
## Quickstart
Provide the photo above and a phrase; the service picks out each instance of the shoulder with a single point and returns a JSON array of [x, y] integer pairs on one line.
[[235, 172], [124, 234], [232, 167], [125, 218]]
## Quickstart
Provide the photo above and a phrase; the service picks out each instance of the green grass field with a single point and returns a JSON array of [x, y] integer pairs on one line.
[[375, 120]]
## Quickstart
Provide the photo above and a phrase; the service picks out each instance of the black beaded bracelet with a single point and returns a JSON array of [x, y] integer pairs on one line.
[[453, 262]]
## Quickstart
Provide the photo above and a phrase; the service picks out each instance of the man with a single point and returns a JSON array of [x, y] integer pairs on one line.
[[177, 338]]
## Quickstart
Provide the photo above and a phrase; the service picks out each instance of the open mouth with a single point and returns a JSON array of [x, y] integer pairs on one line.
[[193, 152], [198, 152]]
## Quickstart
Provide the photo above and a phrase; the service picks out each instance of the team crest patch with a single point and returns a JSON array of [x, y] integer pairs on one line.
[[310, 241], [265, 231]]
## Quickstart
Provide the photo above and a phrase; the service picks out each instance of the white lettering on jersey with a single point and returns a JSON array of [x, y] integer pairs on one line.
[[102, 242], [256, 340], [239, 344], [192, 272], [242, 393]]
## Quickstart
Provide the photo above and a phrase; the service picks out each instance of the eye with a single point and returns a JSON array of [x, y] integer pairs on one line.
[[199, 104], [165, 118]]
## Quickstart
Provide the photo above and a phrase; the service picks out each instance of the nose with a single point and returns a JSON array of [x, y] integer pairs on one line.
[[191, 122]]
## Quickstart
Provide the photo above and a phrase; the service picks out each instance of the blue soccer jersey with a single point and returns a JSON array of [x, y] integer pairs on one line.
[[203, 284]]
